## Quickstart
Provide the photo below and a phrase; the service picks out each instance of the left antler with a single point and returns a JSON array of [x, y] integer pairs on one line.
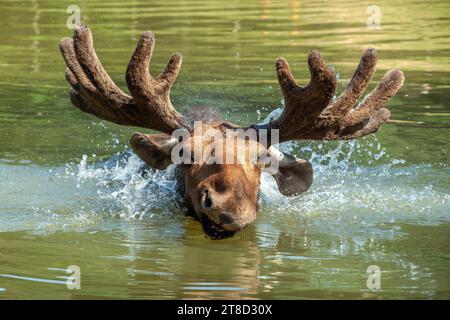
[[94, 92], [311, 114]]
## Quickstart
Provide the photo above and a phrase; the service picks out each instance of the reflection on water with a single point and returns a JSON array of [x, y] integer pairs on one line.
[[317, 245], [72, 194]]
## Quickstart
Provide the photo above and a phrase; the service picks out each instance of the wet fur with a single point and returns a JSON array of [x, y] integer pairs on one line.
[[206, 115]]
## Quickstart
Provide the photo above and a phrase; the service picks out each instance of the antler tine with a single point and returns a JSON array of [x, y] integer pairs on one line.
[[72, 80], [370, 113], [78, 101], [68, 52], [357, 85], [391, 82], [308, 113], [170, 72], [303, 104], [154, 92], [366, 126], [92, 67], [94, 92], [82, 85], [365, 118]]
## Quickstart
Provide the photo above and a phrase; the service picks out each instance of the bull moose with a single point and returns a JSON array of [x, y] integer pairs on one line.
[[224, 196]]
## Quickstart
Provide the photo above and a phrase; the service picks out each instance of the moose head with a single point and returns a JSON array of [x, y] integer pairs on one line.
[[222, 195]]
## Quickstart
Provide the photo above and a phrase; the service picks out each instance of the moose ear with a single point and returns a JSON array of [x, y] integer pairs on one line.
[[154, 149], [294, 175]]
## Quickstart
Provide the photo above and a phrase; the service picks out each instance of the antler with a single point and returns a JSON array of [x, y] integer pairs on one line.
[[310, 113], [94, 92]]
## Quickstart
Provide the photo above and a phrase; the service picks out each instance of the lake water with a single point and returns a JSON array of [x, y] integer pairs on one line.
[[71, 192]]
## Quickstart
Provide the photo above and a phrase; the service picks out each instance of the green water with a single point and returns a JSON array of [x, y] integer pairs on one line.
[[383, 200]]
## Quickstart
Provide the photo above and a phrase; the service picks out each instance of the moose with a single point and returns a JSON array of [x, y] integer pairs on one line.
[[224, 197]]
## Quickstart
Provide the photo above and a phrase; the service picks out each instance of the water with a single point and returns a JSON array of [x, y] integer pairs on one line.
[[71, 193]]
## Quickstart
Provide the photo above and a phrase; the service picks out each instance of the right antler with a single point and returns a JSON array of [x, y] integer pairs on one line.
[[310, 113], [94, 92]]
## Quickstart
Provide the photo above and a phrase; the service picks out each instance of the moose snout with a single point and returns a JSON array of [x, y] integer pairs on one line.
[[225, 219], [210, 204]]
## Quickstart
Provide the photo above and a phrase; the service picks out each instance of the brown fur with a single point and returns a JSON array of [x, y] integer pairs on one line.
[[225, 197]]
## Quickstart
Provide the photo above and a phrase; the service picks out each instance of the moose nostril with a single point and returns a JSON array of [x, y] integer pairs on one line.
[[225, 219], [208, 202], [206, 199]]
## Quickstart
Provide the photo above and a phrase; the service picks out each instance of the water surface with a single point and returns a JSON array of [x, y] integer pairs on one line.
[[71, 192]]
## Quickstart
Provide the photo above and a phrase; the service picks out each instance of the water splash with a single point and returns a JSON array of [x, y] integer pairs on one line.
[[355, 182], [130, 189]]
